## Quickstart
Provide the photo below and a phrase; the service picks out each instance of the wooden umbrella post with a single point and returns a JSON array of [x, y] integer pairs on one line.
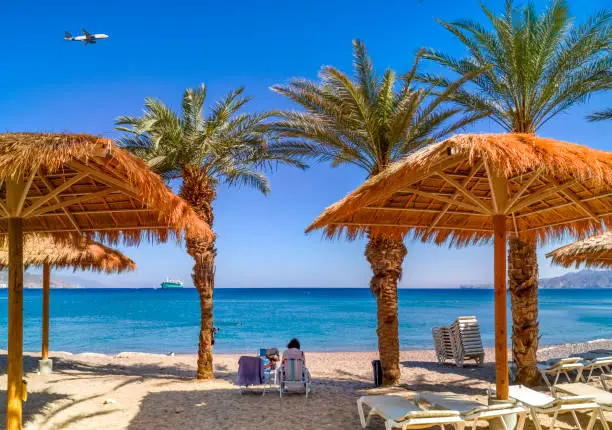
[[45, 365], [45, 311], [501, 336], [14, 191]]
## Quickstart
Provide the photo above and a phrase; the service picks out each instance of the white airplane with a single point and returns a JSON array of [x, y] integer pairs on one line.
[[87, 37]]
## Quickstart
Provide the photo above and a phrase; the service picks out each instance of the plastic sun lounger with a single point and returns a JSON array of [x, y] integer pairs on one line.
[[561, 367], [472, 411], [399, 412], [541, 403], [602, 398], [606, 381], [603, 364]]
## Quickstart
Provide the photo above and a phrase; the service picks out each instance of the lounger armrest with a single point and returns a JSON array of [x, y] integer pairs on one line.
[[572, 400], [430, 413]]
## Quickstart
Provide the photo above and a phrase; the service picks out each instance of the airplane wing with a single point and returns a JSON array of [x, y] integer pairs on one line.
[[86, 33]]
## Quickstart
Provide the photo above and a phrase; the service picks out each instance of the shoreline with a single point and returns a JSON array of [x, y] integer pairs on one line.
[[544, 350]]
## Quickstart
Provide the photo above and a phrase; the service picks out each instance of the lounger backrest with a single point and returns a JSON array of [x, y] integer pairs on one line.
[[293, 365], [530, 397]]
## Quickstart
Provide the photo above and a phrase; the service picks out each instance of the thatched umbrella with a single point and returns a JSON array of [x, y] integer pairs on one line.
[[43, 251], [74, 186], [474, 187], [594, 251]]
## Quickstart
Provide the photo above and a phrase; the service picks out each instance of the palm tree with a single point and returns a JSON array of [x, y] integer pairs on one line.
[[371, 122], [541, 66], [603, 115], [225, 147]]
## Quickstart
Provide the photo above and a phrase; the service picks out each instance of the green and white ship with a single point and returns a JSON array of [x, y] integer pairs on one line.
[[171, 284]]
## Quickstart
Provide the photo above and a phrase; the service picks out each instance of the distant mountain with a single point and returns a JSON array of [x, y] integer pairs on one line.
[[35, 281], [583, 279]]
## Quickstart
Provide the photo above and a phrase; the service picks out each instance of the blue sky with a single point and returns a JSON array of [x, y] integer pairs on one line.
[[160, 48]]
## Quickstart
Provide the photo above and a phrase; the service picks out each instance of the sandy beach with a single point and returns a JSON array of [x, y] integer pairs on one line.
[[150, 391]]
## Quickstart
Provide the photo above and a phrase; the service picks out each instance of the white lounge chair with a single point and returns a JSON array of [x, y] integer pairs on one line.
[[602, 364], [471, 410], [602, 398], [541, 403], [399, 412], [561, 367]]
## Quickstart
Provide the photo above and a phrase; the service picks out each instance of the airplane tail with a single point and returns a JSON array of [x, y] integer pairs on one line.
[[67, 35]]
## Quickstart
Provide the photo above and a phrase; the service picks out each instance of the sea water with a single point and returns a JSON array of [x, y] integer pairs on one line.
[[162, 321]]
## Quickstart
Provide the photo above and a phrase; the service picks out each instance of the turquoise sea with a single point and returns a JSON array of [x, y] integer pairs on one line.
[[160, 321]]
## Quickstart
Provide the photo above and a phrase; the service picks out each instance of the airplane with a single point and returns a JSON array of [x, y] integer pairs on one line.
[[87, 37]]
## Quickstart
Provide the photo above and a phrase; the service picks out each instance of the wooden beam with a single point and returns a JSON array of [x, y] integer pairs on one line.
[[416, 210], [499, 189], [95, 229], [467, 193], [587, 199], [574, 198], [52, 194], [501, 335], [443, 199], [524, 188], [540, 195], [100, 212], [107, 179], [446, 208], [49, 186], [26, 188], [66, 203], [45, 310], [369, 224], [569, 221]]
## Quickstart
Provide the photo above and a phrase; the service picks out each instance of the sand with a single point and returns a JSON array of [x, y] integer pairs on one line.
[[150, 391]]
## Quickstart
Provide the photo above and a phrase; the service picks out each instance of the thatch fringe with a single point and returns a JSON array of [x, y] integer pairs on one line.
[[594, 252], [53, 153], [512, 156], [84, 255]]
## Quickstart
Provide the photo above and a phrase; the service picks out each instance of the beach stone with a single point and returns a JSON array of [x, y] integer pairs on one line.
[[179, 410], [45, 367]]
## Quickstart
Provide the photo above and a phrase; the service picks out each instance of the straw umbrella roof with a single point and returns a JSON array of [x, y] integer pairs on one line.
[[594, 251], [450, 190], [78, 184], [84, 255]]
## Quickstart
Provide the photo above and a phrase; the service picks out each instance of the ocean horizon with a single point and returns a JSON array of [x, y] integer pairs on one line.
[[114, 320]]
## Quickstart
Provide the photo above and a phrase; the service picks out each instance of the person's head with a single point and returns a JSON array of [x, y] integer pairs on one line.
[[294, 343]]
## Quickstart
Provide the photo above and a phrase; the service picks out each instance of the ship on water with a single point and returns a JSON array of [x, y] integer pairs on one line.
[[171, 284]]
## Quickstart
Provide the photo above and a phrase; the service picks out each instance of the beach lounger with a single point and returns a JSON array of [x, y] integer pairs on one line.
[[602, 364], [399, 412], [442, 344], [466, 341], [541, 403], [602, 398], [606, 381], [551, 372], [472, 411]]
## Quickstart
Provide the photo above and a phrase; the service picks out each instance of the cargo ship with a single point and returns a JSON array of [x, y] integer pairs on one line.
[[170, 284]]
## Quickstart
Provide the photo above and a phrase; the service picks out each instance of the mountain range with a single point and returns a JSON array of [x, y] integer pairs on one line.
[[583, 279]]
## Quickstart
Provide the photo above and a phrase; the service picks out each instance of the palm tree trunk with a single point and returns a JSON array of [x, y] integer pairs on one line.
[[386, 255], [199, 193], [523, 281]]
